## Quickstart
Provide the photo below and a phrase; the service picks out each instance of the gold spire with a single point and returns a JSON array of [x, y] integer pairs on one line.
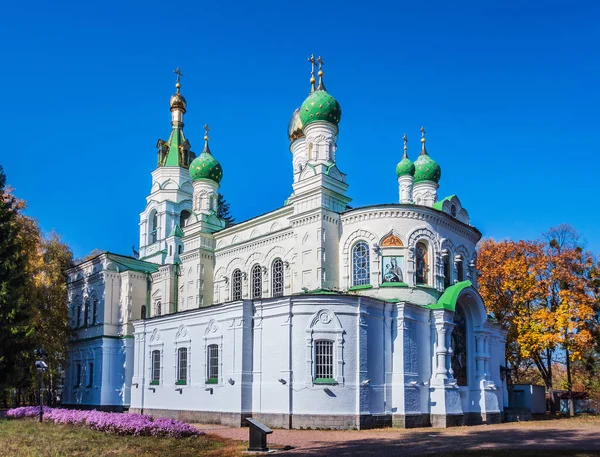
[[423, 149], [320, 74], [206, 148], [312, 61], [177, 71], [405, 138]]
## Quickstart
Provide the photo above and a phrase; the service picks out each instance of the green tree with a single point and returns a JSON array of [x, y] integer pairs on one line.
[[15, 316], [223, 211]]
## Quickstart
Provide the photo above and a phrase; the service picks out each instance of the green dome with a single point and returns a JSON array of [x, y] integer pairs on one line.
[[205, 166], [427, 169], [405, 167], [320, 106]]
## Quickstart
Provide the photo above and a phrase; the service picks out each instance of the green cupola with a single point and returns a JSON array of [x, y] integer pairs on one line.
[[426, 169], [319, 105], [205, 166], [405, 167]]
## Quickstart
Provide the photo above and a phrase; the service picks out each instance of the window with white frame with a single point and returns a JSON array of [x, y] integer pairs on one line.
[[153, 227], [155, 367], [323, 360], [182, 361], [256, 276], [277, 275], [212, 364], [236, 285], [360, 264]]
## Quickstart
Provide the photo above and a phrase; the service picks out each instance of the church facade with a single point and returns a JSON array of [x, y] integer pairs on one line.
[[314, 315]]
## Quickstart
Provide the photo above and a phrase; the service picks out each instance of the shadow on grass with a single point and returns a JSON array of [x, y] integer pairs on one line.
[[493, 442]]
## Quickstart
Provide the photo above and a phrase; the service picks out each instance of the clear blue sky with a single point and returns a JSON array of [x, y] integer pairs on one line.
[[508, 93]]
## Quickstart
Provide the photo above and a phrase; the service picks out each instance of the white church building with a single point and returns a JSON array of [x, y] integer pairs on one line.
[[314, 315]]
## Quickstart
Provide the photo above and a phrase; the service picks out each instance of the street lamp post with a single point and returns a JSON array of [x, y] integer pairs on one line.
[[41, 367]]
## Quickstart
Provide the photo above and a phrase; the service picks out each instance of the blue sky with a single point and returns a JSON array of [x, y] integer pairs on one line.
[[507, 91]]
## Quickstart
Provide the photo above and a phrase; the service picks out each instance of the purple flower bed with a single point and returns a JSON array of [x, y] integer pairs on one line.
[[119, 423]]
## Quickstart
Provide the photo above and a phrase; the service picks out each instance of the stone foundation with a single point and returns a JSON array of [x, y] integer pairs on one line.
[[203, 417], [447, 420], [411, 420]]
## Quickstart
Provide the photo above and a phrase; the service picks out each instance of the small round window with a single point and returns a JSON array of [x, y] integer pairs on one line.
[[453, 210]]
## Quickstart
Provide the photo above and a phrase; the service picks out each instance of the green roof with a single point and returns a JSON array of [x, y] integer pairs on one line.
[[427, 169], [205, 166], [440, 204], [320, 106], [176, 231], [448, 299], [129, 263]]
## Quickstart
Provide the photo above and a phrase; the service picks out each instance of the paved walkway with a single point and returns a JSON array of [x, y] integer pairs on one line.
[[551, 437]]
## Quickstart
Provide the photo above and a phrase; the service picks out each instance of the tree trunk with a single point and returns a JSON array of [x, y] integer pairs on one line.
[[570, 385], [549, 384]]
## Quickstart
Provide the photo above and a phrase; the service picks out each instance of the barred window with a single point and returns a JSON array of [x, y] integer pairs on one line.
[[360, 264], [155, 367], [236, 285], [212, 366], [256, 281], [277, 274], [182, 365], [323, 359], [422, 267]]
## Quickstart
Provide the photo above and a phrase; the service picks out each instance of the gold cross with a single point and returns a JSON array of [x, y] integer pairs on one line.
[[206, 129], [177, 71]]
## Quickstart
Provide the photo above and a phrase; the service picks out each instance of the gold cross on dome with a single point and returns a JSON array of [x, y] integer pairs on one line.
[[320, 60], [423, 132], [206, 129], [313, 62], [177, 71]]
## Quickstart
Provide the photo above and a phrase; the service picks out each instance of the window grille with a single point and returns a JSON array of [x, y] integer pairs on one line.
[[324, 359], [182, 364], [422, 267], [360, 264], [236, 285], [277, 274], [213, 362], [256, 281], [156, 366]]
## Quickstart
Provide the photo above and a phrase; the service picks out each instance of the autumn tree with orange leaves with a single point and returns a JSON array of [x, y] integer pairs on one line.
[[542, 293]]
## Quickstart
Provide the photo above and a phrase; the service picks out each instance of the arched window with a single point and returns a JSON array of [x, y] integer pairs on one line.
[[212, 364], [158, 308], [143, 312], [78, 323], [460, 270], [459, 346], [86, 312], [323, 360], [94, 310], [446, 265], [153, 227], [422, 265], [256, 281], [183, 218], [277, 274], [236, 285], [360, 264]]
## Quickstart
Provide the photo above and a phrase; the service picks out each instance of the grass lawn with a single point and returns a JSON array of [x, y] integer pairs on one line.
[[27, 438]]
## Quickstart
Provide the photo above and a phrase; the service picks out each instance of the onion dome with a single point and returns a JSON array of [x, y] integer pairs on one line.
[[319, 105], [426, 169], [405, 167], [295, 127], [205, 166], [178, 101]]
